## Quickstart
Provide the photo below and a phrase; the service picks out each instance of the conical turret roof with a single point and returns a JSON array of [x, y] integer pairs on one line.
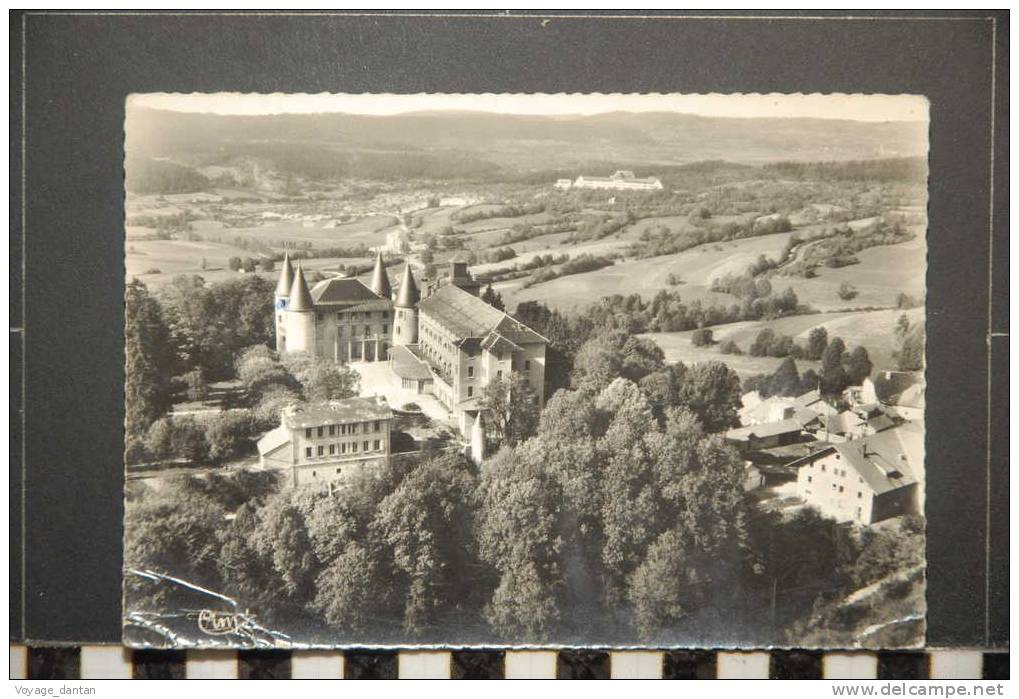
[[408, 295], [300, 298], [286, 277], [380, 281]]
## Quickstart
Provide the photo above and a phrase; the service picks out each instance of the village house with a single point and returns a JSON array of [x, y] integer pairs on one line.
[[320, 444], [864, 480]]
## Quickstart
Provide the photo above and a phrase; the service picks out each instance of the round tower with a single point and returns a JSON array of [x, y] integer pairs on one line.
[[405, 323], [299, 321], [280, 301]]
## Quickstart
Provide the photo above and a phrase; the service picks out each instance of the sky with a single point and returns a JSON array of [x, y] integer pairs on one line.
[[820, 106]]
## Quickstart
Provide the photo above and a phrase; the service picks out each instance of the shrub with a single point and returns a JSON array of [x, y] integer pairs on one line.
[[702, 337], [847, 291], [730, 347]]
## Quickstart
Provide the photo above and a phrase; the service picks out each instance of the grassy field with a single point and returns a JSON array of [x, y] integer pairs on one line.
[[879, 277], [872, 329], [174, 257], [370, 230], [696, 267]]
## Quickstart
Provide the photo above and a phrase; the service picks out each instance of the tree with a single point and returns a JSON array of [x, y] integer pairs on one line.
[[702, 337], [611, 355], [229, 435], [518, 534], [351, 592], [177, 438], [196, 387], [426, 524], [493, 298], [510, 408], [260, 372], [665, 588], [833, 375], [712, 391], [165, 532], [321, 379], [914, 342], [786, 379], [762, 344], [281, 537], [235, 264], [149, 360], [847, 291], [858, 365], [817, 341], [268, 264]]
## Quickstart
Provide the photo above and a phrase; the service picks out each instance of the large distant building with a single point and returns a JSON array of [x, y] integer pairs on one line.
[[619, 180], [318, 444], [442, 340]]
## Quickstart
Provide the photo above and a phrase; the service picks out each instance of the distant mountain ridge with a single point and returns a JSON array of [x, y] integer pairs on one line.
[[483, 142]]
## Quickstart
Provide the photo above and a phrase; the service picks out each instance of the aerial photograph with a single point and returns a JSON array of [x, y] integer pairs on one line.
[[516, 370]]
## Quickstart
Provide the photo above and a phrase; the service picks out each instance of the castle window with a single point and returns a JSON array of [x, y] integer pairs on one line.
[[307, 432], [321, 450], [385, 329], [841, 489], [385, 315], [353, 428], [313, 475], [332, 430], [366, 445], [527, 364], [470, 372], [397, 329], [378, 445], [470, 391], [332, 449], [498, 374], [320, 431], [307, 452], [377, 425], [343, 448], [353, 447], [859, 495], [810, 479]]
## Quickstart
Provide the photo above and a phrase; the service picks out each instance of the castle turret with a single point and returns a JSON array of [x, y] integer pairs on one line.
[[299, 321], [405, 324], [280, 301], [380, 280]]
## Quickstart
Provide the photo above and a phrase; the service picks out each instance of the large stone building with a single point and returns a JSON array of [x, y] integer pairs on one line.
[[319, 444], [340, 318], [442, 339], [619, 180]]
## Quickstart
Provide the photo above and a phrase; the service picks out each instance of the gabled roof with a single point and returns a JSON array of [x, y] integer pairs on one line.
[[843, 422], [880, 423], [300, 299], [768, 429], [807, 399], [467, 316], [885, 461], [343, 291], [497, 344], [913, 397], [273, 440]]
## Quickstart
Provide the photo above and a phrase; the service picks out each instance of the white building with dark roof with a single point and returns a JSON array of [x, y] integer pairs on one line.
[[865, 480], [319, 444], [619, 180]]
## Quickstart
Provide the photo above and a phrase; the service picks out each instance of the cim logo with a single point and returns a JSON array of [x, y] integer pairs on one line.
[[218, 623]]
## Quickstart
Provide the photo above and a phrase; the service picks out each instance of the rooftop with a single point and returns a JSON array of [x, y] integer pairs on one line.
[[361, 409], [406, 364], [344, 291], [466, 316]]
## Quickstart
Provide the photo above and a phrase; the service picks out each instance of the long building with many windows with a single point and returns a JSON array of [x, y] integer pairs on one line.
[[318, 444]]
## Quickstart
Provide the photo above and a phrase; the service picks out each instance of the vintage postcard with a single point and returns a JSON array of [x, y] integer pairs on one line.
[[506, 370]]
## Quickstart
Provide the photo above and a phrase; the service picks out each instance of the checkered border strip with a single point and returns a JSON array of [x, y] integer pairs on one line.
[[115, 662]]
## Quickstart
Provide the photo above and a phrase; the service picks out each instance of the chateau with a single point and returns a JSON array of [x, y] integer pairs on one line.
[[620, 179], [442, 339]]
